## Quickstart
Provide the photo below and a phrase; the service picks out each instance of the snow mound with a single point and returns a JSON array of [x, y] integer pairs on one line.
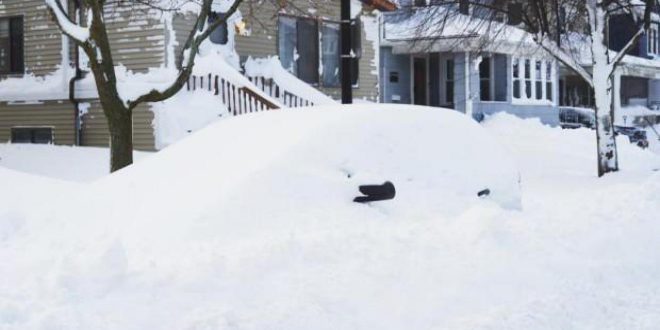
[[248, 224], [436, 159]]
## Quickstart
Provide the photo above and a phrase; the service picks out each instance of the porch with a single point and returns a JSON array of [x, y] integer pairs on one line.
[[476, 84]]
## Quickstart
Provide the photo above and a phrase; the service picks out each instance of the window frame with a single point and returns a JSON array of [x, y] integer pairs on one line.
[[19, 67], [652, 40], [14, 133], [534, 79], [320, 22]]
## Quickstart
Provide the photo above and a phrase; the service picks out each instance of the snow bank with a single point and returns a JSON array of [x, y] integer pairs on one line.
[[184, 114], [248, 224], [79, 164]]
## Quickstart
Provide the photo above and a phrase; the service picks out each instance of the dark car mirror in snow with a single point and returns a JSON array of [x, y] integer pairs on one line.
[[375, 193]]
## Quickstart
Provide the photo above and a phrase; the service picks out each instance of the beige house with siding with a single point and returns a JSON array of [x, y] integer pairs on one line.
[[41, 101]]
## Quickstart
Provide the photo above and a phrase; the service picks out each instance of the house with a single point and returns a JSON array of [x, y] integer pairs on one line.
[[461, 58], [47, 95], [637, 77]]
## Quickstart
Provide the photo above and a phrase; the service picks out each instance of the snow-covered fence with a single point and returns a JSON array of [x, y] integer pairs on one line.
[[238, 99], [289, 99]]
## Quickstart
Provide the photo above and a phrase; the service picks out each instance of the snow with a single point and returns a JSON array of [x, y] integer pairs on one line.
[[80, 33], [77, 164], [248, 224], [184, 114], [626, 116], [271, 68]]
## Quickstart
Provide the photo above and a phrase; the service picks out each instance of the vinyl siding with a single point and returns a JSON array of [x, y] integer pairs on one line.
[[43, 40], [95, 127], [262, 42], [137, 36], [56, 114]]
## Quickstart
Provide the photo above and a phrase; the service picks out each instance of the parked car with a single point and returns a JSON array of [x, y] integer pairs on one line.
[[573, 117], [635, 135]]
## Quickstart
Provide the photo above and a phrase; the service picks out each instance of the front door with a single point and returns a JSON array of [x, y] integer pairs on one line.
[[420, 81]]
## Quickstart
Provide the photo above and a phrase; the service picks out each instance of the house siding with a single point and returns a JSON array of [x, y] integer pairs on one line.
[[137, 36], [95, 127], [262, 42], [42, 38], [56, 114]]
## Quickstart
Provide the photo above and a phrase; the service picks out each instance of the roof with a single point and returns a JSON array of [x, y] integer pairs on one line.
[[443, 28], [382, 5]]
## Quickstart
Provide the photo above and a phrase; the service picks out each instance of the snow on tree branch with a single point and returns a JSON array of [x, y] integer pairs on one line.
[[79, 33]]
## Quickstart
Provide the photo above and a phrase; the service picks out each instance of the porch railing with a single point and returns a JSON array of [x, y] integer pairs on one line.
[[238, 99], [272, 89]]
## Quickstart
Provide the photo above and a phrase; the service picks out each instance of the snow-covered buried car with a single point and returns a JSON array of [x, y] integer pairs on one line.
[[274, 163]]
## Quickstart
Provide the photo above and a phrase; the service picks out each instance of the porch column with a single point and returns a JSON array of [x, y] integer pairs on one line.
[[468, 90], [616, 91]]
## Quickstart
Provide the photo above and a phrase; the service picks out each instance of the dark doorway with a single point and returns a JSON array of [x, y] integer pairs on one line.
[[420, 83]]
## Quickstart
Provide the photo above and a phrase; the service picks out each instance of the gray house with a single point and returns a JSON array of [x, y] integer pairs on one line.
[[451, 57], [44, 100]]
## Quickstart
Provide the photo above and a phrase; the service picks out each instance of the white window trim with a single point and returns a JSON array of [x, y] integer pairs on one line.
[[652, 40], [532, 100]]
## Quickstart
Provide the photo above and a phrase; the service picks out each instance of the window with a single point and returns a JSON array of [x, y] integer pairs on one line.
[[548, 80], [40, 135], [538, 77], [330, 54], [394, 77], [652, 40], [299, 47], [485, 79], [11, 45], [516, 78], [220, 34], [539, 80], [528, 79], [288, 43], [310, 49], [449, 82]]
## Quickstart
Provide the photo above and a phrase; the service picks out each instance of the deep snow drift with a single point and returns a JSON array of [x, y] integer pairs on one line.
[[248, 224]]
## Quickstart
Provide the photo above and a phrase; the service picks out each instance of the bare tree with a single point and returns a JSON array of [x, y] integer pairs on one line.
[[554, 30], [92, 38]]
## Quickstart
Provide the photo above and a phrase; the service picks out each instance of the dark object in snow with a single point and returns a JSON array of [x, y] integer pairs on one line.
[[484, 193], [635, 135], [375, 193]]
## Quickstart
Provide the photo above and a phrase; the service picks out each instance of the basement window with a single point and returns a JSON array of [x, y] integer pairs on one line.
[[11, 45], [35, 135]]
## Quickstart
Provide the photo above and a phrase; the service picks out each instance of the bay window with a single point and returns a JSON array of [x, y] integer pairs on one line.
[[532, 80], [516, 78]]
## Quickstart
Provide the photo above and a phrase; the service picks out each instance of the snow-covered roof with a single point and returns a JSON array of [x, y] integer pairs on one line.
[[443, 28]]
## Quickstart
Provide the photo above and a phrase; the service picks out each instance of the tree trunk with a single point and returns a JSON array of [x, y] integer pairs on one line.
[[607, 153], [603, 90], [120, 124]]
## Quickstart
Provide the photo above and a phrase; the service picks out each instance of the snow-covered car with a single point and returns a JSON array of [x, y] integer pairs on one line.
[[313, 160], [635, 135], [574, 117]]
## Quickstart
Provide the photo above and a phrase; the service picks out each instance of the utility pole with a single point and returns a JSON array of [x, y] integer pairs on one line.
[[346, 58]]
